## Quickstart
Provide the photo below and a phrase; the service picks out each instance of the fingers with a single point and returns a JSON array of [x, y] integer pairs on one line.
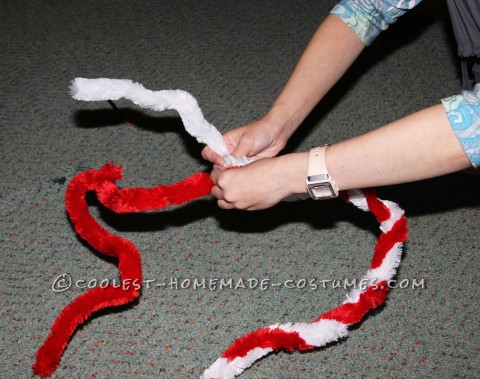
[[253, 140], [217, 189], [245, 147], [225, 204], [209, 155], [215, 175], [222, 203]]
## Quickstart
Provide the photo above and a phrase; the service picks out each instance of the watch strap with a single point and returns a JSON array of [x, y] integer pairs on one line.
[[316, 161], [319, 184]]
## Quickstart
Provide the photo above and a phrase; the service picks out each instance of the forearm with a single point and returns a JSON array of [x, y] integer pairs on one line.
[[330, 52], [328, 55], [420, 146], [416, 147]]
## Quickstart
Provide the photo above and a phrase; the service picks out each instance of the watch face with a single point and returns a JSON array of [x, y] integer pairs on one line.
[[321, 190]]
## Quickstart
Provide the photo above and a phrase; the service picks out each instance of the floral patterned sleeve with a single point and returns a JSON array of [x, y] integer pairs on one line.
[[463, 111], [368, 18]]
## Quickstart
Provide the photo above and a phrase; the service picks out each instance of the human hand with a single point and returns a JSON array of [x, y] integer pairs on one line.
[[260, 184], [260, 139]]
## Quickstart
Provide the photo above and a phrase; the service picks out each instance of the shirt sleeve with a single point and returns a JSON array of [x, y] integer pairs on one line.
[[368, 18], [463, 111]]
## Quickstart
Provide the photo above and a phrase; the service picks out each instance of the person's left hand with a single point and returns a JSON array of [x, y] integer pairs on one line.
[[260, 184]]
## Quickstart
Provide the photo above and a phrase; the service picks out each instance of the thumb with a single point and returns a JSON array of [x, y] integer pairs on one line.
[[245, 147], [210, 155]]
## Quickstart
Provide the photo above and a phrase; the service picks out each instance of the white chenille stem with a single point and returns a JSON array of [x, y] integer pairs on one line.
[[181, 101]]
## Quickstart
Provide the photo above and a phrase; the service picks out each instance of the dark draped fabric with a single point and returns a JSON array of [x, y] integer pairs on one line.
[[465, 16]]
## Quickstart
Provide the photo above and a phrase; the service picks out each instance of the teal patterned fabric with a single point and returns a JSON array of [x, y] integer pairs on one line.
[[463, 111], [368, 18]]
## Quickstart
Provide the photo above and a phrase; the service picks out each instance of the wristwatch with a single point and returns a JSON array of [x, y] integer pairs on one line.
[[320, 185]]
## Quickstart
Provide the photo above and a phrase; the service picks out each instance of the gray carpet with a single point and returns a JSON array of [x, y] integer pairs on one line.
[[234, 57]]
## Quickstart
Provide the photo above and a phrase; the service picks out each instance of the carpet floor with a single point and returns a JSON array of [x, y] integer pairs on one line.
[[234, 57]]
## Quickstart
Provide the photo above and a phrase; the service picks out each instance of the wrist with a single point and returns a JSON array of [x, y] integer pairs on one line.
[[294, 171], [283, 121]]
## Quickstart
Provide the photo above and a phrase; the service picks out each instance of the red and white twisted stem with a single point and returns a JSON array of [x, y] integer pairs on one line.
[[333, 324]]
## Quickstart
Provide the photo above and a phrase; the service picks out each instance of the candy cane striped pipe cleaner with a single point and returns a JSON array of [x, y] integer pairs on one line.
[[333, 324]]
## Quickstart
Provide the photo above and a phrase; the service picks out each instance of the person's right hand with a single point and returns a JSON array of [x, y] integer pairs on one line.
[[260, 139]]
